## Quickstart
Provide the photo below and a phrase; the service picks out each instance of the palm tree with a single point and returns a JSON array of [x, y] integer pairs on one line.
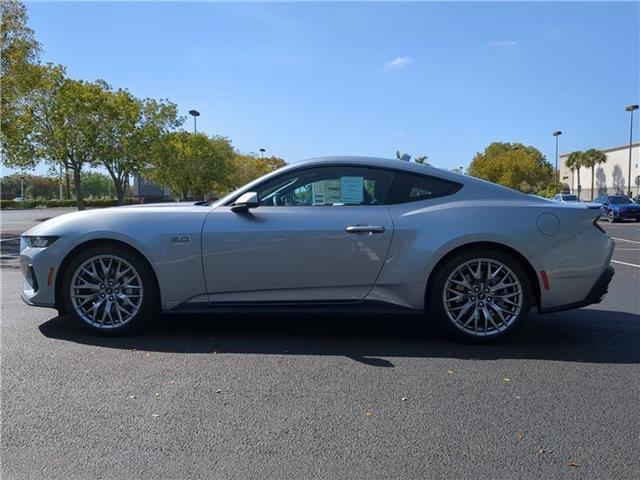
[[593, 157], [572, 170], [574, 162]]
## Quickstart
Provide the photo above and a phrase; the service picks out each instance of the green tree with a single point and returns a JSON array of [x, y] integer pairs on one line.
[[191, 163], [19, 56], [41, 187], [245, 168], [96, 184], [593, 157], [59, 123], [130, 129], [513, 165], [575, 161], [10, 186]]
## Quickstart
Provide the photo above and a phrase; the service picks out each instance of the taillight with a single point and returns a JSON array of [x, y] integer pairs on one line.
[[597, 225]]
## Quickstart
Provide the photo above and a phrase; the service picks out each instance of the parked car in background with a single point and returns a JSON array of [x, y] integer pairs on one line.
[[19, 199], [618, 207], [341, 234], [565, 197]]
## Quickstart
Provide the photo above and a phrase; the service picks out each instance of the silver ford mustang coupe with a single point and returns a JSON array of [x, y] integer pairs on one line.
[[330, 234]]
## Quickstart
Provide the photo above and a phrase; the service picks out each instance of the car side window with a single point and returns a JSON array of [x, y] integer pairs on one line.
[[327, 186], [408, 187]]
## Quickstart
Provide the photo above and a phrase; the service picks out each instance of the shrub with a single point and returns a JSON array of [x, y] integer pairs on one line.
[[89, 203]]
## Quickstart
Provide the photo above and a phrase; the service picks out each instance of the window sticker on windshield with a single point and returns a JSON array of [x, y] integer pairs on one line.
[[352, 189], [326, 192]]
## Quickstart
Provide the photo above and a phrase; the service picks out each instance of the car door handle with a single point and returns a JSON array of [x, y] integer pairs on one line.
[[364, 229]]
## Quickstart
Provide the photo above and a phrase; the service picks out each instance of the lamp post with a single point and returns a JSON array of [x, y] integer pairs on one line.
[[631, 109], [262, 150], [194, 114], [556, 134]]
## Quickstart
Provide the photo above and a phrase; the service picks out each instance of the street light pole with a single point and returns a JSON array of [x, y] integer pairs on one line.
[[194, 114], [557, 173], [631, 109], [262, 150]]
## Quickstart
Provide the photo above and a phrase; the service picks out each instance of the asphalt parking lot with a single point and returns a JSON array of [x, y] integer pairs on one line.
[[323, 397]]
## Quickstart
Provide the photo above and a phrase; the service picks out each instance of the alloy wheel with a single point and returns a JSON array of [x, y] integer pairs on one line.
[[482, 297], [106, 291]]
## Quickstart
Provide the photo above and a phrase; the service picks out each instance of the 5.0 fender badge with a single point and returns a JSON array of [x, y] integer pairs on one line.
[[181, 239]]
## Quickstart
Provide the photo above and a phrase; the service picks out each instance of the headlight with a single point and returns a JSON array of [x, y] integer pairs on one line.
[[39, 242]]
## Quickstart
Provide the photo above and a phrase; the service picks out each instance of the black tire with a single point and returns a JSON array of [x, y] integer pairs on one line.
[[149, 304], [611, 217], [436, 303]]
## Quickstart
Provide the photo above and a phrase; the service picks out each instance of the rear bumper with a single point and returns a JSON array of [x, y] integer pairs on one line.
[[595, 295]]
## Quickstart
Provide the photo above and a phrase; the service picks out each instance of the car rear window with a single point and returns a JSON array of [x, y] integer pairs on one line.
[[407, 188]]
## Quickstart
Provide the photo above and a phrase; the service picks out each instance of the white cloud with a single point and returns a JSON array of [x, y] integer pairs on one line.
[[503, 44], [398, 63]]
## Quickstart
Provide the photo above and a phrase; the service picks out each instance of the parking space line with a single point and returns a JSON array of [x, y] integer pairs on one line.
[[7, 239], [625, 240], [625, 263]]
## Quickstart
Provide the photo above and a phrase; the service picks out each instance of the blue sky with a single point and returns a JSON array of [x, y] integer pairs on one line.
[[310, 79]]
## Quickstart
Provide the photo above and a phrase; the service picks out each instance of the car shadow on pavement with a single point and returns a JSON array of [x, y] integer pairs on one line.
[[597, 336]]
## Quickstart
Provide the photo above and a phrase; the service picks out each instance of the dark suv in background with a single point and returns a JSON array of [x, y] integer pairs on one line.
[[618, 207]]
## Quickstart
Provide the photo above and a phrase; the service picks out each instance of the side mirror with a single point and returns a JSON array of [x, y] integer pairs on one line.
[[605, 203], [245, 202]]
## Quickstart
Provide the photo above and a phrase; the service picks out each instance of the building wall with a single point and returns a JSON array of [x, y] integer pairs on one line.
[[610, 177]]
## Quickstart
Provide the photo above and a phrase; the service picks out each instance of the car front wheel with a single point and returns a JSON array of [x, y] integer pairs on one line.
[[611, 217], [481, 295], [109, 289]]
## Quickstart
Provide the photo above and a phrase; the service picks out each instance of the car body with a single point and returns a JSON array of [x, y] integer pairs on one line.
[[19, 199], [338, 233], [618, 207], [565, 198]]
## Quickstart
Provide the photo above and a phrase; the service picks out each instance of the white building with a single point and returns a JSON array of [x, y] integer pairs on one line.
[[610, 177]]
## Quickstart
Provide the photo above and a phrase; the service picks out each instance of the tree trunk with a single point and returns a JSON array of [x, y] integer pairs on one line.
[[120, 191], [579, 189], [66, 177], [592, 174], [77, 183]]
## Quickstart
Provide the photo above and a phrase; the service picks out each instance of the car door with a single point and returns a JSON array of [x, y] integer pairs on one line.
[[319, 234]]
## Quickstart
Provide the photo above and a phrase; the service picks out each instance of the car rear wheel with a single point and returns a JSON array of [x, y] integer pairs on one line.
[[109, 290], [481, 295]]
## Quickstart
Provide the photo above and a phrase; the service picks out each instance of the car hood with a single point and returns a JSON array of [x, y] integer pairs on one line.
[[110, 217]]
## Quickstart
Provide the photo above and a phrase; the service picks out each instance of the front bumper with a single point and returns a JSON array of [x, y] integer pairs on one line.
[[595, 295], [38, 287], [623, 215]]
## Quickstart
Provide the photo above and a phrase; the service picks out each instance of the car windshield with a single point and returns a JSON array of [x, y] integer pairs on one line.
[[570, 198], [619, 200]]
